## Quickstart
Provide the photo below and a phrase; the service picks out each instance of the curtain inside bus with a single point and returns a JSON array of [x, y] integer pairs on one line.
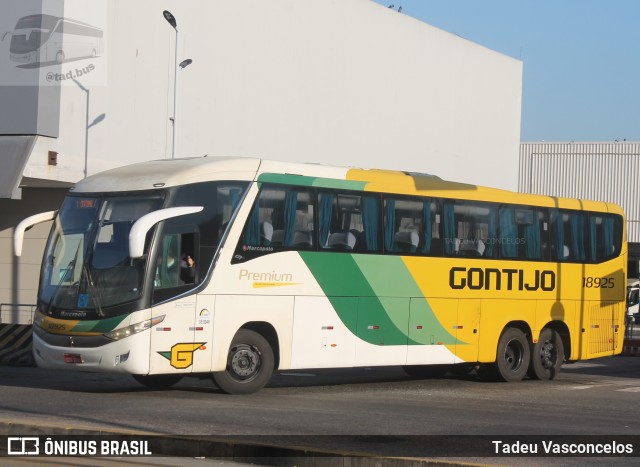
[[426, 219]]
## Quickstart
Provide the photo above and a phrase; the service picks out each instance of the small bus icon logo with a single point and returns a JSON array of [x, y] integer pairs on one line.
[[23, 446]]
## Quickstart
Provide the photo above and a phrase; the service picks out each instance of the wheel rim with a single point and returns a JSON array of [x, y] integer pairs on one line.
[[245, 362], [514, 355], [548, 354]]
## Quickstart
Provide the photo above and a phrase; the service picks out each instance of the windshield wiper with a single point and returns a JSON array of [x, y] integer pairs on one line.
[[94, 297], [67, 272]]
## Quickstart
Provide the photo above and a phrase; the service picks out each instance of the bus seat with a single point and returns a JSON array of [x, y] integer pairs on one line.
[[266, 233], [344, 241], [360, 241], [278, 237], [472, 248], [406, 242], [302, 239]]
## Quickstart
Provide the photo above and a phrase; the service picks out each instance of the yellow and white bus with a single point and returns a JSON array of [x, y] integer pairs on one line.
[[239, 267]]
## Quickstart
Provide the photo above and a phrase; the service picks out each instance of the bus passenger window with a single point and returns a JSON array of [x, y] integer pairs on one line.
[[349, 222], [282, 218], [411, 226], [469, 229], [604, 237], [567, 234], [520, 233]]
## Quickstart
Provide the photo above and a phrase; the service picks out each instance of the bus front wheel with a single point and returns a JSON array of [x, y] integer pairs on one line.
[[547, 355], [513, 355], [250, 364]]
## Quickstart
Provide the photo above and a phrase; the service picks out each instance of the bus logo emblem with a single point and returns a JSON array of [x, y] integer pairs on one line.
[[181, 355]]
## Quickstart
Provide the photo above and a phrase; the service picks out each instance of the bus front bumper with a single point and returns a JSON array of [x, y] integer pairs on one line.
[[129, 355]]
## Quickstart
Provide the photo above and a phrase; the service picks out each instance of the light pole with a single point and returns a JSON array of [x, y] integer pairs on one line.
[[88, 125], [172, 21]]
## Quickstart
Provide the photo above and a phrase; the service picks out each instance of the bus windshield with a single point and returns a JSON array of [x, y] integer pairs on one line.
[[86, 263], [87, 266]]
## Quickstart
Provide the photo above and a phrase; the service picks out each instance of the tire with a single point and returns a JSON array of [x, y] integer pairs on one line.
[[513, 356], [250, 364], [547, 355], [426, 371], [60, 57], [157, 381]]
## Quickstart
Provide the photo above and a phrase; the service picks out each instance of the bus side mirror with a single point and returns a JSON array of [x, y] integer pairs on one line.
[[138, 232], [26, 224]]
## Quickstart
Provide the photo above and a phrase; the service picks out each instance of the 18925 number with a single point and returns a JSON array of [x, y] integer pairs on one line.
[[598, 282]]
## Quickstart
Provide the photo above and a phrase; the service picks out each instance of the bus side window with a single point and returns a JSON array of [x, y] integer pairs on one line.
[[349, 221], [521, 233], [469, 229], [282, 218], [604, 237], [568, 235], [411, 225]]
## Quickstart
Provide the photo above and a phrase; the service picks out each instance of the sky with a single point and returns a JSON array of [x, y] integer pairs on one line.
[[581, 59]]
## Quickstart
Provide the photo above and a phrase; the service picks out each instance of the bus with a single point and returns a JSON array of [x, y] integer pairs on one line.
[[239, 267], [44, 38]]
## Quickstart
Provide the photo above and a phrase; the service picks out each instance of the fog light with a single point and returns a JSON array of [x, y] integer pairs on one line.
[[121, 359]]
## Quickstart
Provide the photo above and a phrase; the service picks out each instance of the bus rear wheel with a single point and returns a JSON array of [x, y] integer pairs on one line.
[[250, 364], [547, 355], [157, 381], [513, 355]]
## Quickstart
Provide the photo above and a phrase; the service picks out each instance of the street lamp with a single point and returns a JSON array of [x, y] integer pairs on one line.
[[185, 63], [88, 125]]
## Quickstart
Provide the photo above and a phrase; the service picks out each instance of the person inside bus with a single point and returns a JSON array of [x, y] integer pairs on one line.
[[187, 269], [175, 272]]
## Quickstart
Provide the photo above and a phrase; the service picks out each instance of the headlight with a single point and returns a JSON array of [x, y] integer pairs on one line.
[[121, 333], [38, 320], [37, 330]]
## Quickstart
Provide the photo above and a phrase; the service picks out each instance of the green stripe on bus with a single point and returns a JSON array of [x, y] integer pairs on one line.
[[373, 297], [101, 325], [389, 277]]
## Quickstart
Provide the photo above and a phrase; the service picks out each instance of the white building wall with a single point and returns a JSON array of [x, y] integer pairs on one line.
[[344, 82]]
